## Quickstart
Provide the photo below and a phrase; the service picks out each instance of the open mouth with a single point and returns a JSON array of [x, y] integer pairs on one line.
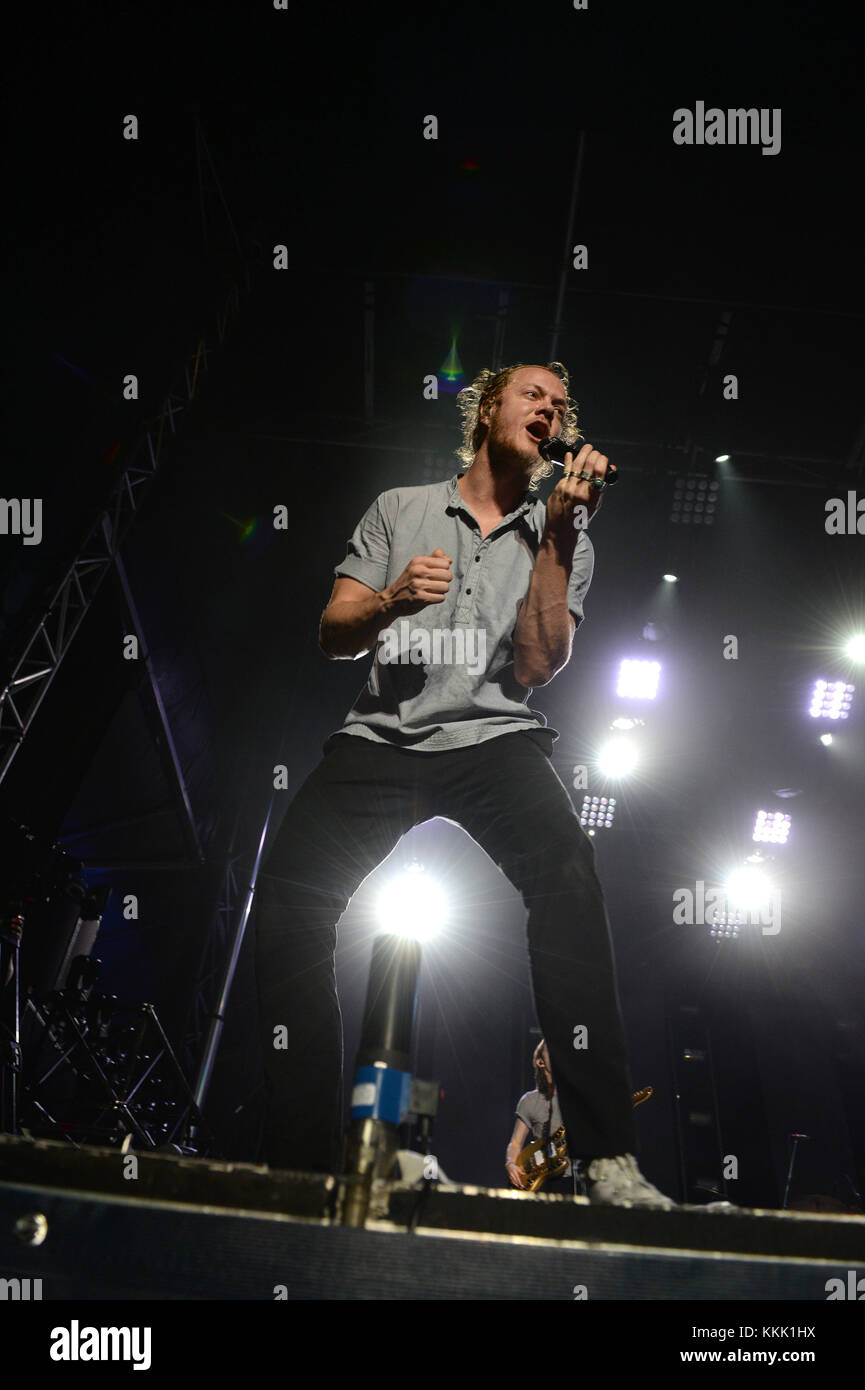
[[538, 431]]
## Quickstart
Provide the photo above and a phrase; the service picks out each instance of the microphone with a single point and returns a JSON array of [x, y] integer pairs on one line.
[[554, 449]]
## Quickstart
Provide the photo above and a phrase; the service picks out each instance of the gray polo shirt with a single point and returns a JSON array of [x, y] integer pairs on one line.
[[444, 677], [533, 1109]]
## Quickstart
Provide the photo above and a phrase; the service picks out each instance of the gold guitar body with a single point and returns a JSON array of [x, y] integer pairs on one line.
[[539, 1161]]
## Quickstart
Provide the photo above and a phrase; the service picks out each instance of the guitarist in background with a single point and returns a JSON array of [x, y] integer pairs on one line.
[[538, 1117]]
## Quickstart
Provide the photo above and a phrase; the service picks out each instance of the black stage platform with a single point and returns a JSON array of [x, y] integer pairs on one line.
[[191, 1228]]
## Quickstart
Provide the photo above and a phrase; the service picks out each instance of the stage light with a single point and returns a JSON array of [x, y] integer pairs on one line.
[[626, 722], [695, 500], [831, 700], [671, 578], [451, 377], [617, 757], [826, 739], [725, 925], [412, 905], [597, 812], [722, 458], [748, 891], [747, 894], [638, 680], [855, 648], [772, 827]]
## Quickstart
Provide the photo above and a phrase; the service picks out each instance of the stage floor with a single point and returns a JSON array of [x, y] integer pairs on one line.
[[188, 1228]]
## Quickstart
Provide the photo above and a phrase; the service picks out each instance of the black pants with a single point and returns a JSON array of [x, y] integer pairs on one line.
[[345, 819]]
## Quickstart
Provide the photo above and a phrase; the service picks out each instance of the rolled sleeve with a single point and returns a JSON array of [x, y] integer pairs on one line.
[[524, 1111], [369, 548], [582, 568]]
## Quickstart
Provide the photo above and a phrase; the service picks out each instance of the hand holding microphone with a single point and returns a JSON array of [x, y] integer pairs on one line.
[[555, 450], [580, 490]]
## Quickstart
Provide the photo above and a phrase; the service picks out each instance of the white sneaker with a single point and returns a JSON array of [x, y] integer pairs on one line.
[[618, 1182]]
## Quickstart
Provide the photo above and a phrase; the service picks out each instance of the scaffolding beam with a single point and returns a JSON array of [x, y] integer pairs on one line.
[[44, 645]]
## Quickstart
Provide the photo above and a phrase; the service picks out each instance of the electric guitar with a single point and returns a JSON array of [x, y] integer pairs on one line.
[[539, 1161]]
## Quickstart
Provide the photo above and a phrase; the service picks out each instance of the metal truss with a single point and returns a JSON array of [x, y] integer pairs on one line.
[[47, 643], [43, 647]]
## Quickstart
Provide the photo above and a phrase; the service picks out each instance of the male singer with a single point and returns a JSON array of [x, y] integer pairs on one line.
[[431, 735]]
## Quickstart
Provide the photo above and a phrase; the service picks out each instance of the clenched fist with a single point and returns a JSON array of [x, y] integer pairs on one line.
[[425, 579]]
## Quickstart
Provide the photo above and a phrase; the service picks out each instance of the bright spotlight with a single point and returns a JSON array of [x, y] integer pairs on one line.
[[597, 811], [748, 890], [772, 827], [412, 905], [855, 648], [722, 458], [726, 925], [671, 578], [831, 700], [617, 757], [638, 680], [826, 739]]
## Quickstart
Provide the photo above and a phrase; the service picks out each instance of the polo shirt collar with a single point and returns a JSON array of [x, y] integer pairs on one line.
[[455, 497]]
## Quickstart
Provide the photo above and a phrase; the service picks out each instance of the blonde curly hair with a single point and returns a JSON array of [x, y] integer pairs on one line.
[[486, 388]]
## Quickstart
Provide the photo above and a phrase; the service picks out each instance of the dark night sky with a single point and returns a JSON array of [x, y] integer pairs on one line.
[[313, 122]]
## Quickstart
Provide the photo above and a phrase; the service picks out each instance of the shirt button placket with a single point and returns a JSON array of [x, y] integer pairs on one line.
[[465, 606], [477, 562]]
